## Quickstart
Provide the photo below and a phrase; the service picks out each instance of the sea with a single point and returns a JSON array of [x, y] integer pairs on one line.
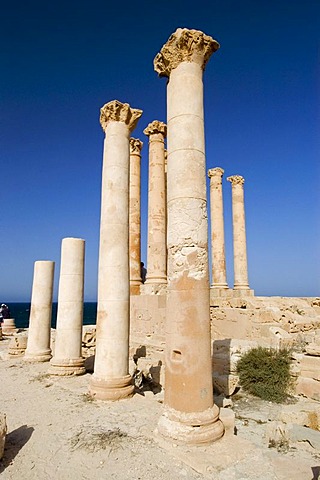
[[21, 312]]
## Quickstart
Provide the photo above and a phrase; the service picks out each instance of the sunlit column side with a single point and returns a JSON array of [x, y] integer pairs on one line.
[[38, 346], [218, 257], [239, 234], [111, 379], [190, 415], [135, 216], [157, 241], [67, 359]]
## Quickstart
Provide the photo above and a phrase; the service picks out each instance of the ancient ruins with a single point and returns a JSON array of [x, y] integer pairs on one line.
[[178, 330]]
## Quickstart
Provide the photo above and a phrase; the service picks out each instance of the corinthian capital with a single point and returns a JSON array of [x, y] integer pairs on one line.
[[184, 46], [135, 146], [116, 111], [156, 127], [216, 172], [236, 180]]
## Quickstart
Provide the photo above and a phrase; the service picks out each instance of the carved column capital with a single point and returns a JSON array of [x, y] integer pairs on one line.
[[156, 127], [135, 146], [184, 46], [216, 173], [116, 111], [236, 180]]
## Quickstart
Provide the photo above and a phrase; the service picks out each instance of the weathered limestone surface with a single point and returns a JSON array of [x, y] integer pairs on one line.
[[219, 274], [111, 379], [237, 325], [38, 347], [17, 345], [135, 216], [188, 380], [67, 359], [157, 244], [239, 234]]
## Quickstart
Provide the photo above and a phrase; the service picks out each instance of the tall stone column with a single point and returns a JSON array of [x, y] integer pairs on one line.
[[219, 274], [38, 346], [157, 241], [111, 379], [135, 216], [239, 234], [190, 415], [68, 358]]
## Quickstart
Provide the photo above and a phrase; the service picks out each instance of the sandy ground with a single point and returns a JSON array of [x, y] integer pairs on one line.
[[56, 432]]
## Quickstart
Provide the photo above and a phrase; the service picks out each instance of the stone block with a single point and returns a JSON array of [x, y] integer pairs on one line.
[[310, 367], [313, 349], [228, 418], [280, 338], [308, 387], [89, 336]]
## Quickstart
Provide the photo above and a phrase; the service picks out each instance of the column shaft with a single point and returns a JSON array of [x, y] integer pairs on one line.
[[218, 257], [157, 242], [111, 379], [135, 216], [239, 234], [68, 358], [38, 346]]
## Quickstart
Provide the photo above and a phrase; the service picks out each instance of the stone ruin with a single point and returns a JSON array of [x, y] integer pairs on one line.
[[162, 329]]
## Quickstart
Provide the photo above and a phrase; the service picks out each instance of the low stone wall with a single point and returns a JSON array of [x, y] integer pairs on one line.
[[237, 325]]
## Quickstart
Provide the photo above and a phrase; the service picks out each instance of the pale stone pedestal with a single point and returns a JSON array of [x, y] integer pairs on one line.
[[9, 327], [17, 346]]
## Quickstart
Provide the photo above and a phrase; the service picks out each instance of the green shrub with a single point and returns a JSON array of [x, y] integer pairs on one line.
[[265, 373]]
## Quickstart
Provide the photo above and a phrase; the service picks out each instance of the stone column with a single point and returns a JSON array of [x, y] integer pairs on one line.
[[38, 346], [157, 241], [135, 216], [239, 234], [68, 358], [219, 274], [111, 379], [190, 415]]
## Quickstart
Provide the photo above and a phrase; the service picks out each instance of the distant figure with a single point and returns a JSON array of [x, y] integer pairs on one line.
[[4, 312], [143, 272]]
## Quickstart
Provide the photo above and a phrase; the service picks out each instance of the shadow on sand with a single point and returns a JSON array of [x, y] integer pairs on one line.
[[15, 440]]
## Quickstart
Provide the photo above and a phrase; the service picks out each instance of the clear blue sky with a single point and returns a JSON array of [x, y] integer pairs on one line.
[[61, 61]]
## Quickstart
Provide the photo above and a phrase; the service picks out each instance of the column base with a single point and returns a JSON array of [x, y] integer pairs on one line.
[[197, 428], [221, 292], [44, 356], [9, 327], [65, 367], [153, 289], [115, 388], [243, 292]]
